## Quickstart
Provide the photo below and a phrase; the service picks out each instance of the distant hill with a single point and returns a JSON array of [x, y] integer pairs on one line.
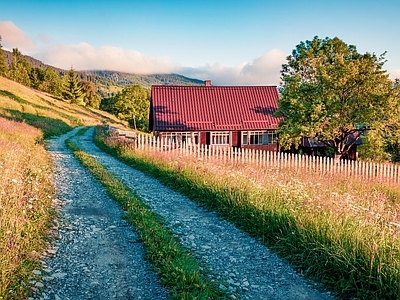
[[33, 61], [110, 82], [145, 80]]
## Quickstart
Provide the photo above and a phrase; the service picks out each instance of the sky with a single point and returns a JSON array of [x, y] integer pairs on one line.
[[228, 42]]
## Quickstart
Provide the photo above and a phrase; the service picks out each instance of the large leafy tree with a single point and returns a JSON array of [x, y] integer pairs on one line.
[[52, 82], [333, 94], [131, 104], [72, 89]]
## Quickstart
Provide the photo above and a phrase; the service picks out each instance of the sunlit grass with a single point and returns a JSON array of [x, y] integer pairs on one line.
[[18, 98], [25, 170], [25, 199], [341, 231]]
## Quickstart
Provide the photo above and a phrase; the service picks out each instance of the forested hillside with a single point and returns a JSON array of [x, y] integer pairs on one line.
[[109, 83], [126, 96]]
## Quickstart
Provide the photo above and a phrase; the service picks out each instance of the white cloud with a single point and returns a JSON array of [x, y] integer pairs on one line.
[[13, 37], [264, 70], [85, 57], [393, 74]]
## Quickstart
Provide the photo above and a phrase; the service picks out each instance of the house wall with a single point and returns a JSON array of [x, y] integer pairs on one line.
[[270, 147], [235, 140], [203, 138]]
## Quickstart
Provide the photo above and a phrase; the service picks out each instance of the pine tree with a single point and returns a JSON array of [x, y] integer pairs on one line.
[[36, 76], [3, 64], [19, 69], [91, 98], [72, 90]]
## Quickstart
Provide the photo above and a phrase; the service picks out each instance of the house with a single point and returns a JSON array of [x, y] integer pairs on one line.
[[230, 116], [316, 148]]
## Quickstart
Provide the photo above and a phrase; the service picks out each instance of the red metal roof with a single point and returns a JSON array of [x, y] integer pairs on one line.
[[188, 108]]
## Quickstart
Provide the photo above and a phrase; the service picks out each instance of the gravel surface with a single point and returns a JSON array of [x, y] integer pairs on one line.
[[97, 256], [248, 268]]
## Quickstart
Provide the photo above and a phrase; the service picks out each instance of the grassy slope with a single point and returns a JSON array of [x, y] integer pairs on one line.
[[26, 118], [41, 110]]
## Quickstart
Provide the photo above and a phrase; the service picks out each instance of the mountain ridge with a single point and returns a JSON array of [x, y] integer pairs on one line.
[[109, 82]]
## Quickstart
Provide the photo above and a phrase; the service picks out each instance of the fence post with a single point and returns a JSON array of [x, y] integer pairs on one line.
[[383, 171], [393, 174], [273, 159]]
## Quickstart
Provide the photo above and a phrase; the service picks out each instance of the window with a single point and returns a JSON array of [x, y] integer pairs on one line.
[[258, 137], [181, 137], [220, 138]]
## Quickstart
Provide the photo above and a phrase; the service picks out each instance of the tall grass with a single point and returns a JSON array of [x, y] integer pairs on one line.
[[25, 205], [339, 231], [25, 186]]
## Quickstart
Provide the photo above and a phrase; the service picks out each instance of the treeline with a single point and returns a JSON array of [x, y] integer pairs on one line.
[[132, 104], [67, 86]]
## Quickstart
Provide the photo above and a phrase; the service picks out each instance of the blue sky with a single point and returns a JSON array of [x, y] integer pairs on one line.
[[230, 42]]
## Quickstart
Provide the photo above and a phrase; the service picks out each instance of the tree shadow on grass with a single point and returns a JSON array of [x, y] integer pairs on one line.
[[40, 107], [49, 126], [58, 109]]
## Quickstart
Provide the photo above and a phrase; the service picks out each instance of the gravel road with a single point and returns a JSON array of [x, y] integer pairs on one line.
[[98, 257]]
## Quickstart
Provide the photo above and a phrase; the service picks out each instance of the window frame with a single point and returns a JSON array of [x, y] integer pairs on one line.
[[220, 138], [259, 137], [180, 137]]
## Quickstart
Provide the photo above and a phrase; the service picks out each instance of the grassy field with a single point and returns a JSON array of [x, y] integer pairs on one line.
[[27, 118], [52, 116], [337, 230], [26, 195]]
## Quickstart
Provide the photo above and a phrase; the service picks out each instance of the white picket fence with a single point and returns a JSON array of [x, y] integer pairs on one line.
[[383, 172]]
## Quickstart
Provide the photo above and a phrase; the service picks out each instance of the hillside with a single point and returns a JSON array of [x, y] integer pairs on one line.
[[110, 82], [18, 102]]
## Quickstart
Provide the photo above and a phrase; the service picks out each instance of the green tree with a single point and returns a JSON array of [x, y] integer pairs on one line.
[[3, 64], [19, 69], [131, 104], [36, 77], [373, 147], [72, 90], [52, 82], [90, 98], [330, 93]]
